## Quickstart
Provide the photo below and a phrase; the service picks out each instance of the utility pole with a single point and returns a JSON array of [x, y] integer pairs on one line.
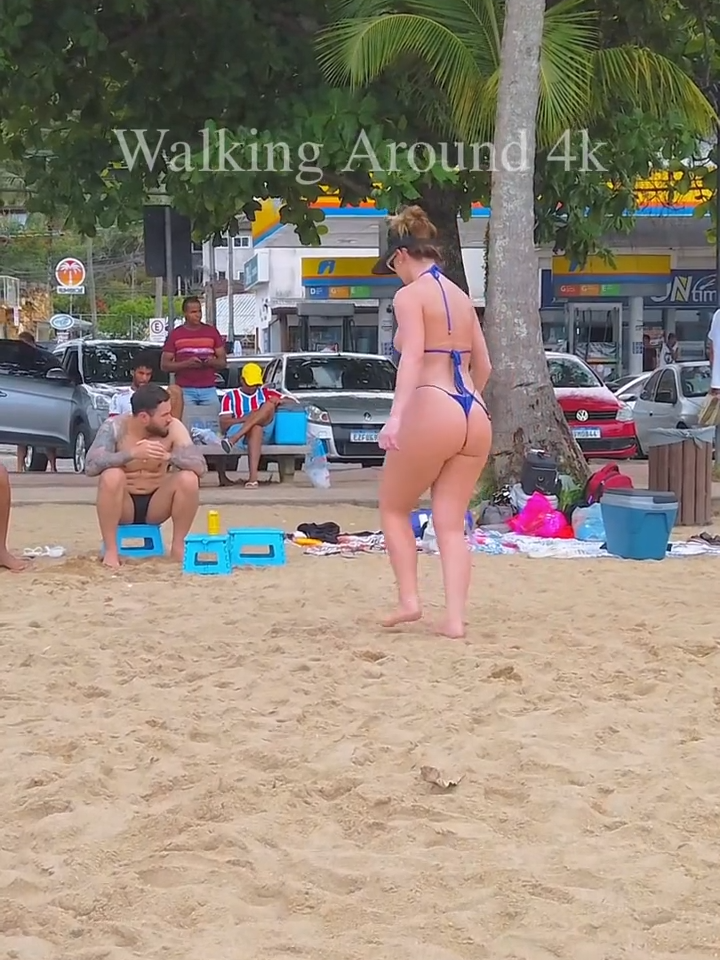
[[231, 292], [169, 278], [91, 285], [158, 296]]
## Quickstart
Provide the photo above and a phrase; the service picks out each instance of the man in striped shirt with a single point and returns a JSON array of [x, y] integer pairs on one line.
[[246, 417]]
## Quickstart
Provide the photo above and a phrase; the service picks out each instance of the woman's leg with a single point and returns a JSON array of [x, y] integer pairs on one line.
[[451, 495], [428, 436]]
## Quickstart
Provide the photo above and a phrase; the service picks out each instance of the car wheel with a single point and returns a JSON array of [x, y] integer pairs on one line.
[[35, 460], [79, 449]]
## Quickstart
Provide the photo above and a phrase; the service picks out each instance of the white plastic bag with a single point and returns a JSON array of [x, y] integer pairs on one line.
[[316, 464]]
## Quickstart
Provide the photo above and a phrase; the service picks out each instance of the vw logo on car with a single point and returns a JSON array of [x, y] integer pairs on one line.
[[583, 416]]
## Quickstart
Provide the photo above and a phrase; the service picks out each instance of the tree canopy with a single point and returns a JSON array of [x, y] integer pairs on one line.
[[231, 80]]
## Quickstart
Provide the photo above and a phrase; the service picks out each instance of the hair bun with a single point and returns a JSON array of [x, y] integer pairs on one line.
[[413, 222]]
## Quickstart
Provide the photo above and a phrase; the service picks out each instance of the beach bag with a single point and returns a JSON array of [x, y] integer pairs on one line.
[[709, 416], [606, 478], [538, 518]]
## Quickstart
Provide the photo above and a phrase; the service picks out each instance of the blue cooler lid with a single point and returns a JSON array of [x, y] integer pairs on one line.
[[655, 495]]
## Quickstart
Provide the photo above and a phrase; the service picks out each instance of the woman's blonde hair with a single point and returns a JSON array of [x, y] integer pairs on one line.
[[414, 222]]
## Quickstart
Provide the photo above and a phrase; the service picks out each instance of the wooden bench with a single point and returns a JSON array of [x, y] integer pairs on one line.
[[285, 457]]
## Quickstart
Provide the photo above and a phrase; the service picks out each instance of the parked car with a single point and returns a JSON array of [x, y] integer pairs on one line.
[[601, 423], [97, 368], [348, 397], [672, 397], [628, 389], [40, 405]]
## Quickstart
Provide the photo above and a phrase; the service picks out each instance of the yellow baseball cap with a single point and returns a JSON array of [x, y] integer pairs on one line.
[[252, 375]]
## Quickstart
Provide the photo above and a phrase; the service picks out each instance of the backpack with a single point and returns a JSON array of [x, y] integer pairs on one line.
[[606, 478]]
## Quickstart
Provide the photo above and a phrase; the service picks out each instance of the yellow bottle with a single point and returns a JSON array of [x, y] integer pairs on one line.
[[213, 523]]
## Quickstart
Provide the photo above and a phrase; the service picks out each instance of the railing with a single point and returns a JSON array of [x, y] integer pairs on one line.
[[9, 291]]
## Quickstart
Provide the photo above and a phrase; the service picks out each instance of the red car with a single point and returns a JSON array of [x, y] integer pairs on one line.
[[603, 425]]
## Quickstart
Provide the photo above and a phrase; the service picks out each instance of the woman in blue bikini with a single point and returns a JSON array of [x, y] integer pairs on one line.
[[438, 435]]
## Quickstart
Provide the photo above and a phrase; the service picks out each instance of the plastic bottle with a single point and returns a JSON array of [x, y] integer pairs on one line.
[[429, 540], [213, 523]]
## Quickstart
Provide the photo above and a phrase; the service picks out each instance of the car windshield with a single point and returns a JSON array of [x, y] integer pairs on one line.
[[617, 385], [695, 381], [113, 362], [571, 373], [340, 373]]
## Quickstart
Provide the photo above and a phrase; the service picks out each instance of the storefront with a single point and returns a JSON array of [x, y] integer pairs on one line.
[[602, 313]]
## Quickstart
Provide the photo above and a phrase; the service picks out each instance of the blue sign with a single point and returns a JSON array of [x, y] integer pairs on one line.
[[686, 290], [691, 289], [251, 272]]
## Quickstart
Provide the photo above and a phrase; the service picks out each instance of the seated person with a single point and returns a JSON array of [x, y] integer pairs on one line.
[[143, 371], [131, 455], [7, 560], [246, 417]]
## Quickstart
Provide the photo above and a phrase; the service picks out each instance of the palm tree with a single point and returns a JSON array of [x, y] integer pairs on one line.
[[520, 389], [459, 42], [506, 66]]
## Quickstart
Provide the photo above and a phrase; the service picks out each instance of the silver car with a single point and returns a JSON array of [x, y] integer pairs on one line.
[[39, 403], [671, 398], [348, 397], [628, 389]]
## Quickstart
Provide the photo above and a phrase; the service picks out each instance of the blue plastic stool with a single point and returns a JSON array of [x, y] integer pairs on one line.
[[148, 533], [197, 544], [272, 540]]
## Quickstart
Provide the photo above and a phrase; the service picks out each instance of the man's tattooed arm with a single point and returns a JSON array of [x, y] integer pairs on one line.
[[189, 457], [103, 453]]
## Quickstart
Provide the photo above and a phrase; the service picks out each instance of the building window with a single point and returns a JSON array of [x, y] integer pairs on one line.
[[222, 275], [242, 241], [197, 248]]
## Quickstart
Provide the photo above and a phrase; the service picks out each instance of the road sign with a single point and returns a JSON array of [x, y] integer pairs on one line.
[[62, 321], [70, 275], [158, 329]]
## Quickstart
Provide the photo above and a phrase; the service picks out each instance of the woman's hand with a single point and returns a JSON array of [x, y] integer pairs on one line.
[[388, 437]]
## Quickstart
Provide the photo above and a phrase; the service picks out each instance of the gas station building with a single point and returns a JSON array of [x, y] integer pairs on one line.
[[662, 280]]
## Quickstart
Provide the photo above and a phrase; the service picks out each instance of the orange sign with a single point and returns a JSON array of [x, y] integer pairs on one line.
[[70, 273]]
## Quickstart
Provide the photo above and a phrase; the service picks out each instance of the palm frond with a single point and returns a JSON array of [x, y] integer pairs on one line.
[[651, 82], [359, 51], [569, 41]]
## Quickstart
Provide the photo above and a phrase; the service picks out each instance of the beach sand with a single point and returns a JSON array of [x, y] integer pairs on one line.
[[230, 769]]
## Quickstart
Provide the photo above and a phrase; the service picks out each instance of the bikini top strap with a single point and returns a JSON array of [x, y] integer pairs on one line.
[[436, 272]]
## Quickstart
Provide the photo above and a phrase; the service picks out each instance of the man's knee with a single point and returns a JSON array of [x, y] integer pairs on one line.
[[187, 481], [112, 480]]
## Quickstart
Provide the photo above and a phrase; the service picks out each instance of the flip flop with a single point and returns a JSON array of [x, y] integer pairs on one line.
[[252, 485], [54, 553]]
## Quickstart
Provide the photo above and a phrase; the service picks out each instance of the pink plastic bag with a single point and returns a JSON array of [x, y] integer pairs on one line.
[[538, 518]]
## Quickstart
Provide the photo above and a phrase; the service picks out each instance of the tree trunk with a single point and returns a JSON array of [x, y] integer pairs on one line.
[[522, 402], [441, 205]]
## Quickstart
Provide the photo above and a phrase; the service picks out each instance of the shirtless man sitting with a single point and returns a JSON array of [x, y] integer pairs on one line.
[[131, 455]]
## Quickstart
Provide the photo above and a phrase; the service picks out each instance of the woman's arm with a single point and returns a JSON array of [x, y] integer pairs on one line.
[[480, 366], [409, 317]]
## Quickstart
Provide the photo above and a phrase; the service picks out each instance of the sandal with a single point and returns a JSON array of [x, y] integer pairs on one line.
[[53, 552], [252, 485]]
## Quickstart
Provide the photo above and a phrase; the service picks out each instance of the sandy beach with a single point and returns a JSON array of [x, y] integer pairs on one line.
[[230, 769]]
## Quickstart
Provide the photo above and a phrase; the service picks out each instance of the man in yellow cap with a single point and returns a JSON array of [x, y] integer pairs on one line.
[[246, 417]]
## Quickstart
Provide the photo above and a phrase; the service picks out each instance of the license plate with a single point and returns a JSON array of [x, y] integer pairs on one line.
[[364, 436], [587, 433]]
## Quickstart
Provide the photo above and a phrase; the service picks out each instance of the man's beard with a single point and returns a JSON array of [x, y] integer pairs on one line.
[[155, 431]]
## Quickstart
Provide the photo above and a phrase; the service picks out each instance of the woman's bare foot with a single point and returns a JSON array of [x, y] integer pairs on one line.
[[111, 560], [405, 613], [453, 629], [12, 563], [177, 554]]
